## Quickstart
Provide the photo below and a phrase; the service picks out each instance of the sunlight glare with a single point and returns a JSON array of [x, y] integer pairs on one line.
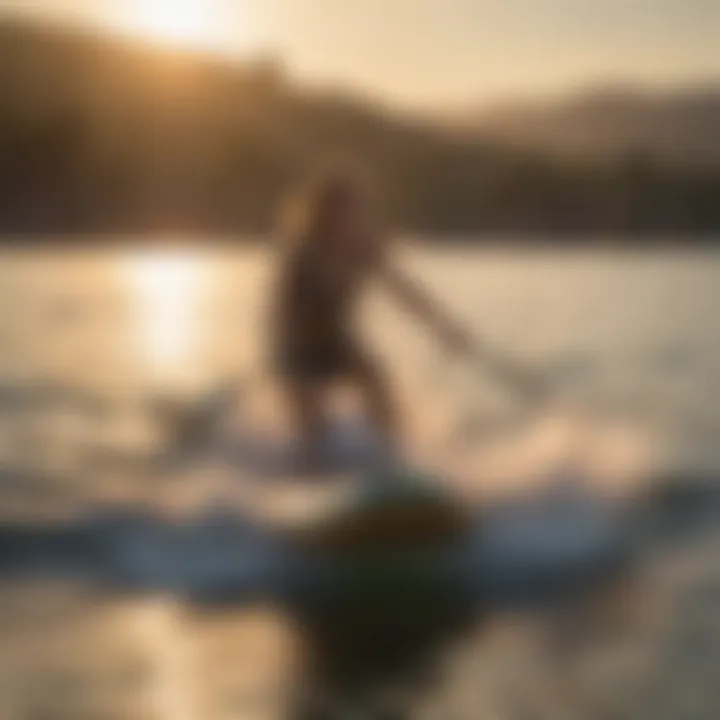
[[166, 290], [177, 21]]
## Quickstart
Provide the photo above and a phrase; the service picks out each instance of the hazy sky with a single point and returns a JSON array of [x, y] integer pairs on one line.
[[428, 53]]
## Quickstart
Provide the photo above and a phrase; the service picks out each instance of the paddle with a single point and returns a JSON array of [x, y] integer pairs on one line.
[[525, 383], [530, 392]]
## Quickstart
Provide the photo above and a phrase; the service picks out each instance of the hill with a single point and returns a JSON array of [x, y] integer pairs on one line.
[[680, 126], [105, 135]]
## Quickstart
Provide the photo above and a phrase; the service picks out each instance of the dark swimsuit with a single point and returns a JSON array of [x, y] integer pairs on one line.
[[313, 340]]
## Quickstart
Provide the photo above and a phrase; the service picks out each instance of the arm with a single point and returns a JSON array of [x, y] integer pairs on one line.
[[412, 296], [409, 294]]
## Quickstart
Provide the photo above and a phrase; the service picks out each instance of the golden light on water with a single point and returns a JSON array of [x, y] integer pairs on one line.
[[167, 291]]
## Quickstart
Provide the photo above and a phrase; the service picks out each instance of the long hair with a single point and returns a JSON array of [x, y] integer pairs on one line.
[[306, 217]]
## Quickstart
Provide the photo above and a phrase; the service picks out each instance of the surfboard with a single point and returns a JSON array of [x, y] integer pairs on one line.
[[391, 511], [350, 447], [360, 497]]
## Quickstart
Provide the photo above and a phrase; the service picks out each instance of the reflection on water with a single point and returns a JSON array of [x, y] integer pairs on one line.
[[68, 654], [88, 339], [167, 294]]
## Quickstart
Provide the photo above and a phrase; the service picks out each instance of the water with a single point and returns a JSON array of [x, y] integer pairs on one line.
[[89, 338]]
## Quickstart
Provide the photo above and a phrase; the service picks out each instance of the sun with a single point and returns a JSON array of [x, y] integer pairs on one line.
[[183, 20], [186, 22]]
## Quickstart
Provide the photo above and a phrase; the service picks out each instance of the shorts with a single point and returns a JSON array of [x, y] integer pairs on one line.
[[324, 362]]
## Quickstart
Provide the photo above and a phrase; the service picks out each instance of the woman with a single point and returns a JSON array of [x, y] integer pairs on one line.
[[335, 251]]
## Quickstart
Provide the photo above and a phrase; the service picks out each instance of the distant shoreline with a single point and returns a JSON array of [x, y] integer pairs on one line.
[[481, 241], [114, 139]]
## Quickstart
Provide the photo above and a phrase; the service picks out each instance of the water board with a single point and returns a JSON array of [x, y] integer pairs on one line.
[[375, 499]]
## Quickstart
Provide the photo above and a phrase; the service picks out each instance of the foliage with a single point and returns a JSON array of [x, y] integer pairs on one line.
[[101, 135]]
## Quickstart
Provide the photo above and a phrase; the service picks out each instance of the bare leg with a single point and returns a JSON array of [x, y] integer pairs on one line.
[[305, 400], [372, 382]]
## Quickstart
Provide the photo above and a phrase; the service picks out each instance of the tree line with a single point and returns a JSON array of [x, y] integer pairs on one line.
[[101, 135]]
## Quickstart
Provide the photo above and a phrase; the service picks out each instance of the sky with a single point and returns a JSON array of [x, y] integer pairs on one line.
[[430, 54]]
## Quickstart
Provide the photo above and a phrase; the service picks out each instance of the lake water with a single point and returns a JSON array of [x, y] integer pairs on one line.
[[630, 339], [624, 335]]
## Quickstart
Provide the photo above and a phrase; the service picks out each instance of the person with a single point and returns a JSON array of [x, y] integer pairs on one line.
[[335, 252]]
